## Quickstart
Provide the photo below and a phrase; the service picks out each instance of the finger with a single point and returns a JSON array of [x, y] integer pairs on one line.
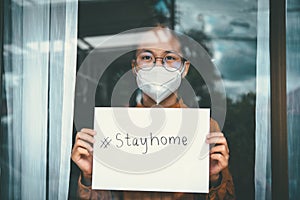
[[220, 149], [83, 151], [215, 134], [86, 137], [88, 131], [77, 152], [217, 141], [219, 158], [216, 137], [84, 144], [222, 161]]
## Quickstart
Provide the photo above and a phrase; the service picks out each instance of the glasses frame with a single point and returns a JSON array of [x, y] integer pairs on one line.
[[163, 62]]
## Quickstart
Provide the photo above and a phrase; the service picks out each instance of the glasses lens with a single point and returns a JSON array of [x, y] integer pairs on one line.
[[172, 61], [145, 60]]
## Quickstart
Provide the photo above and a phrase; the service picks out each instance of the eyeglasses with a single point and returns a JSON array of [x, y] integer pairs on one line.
[[171, 61]]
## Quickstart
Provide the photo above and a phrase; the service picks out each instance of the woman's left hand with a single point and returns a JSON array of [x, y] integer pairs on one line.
[[219, 155]]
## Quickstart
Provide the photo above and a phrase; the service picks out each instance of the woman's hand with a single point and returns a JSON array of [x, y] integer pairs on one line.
[[82, 153], [219, 155]]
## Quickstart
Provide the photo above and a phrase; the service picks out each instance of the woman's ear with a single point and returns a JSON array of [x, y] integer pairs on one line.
[[186, 68], [133, 67]]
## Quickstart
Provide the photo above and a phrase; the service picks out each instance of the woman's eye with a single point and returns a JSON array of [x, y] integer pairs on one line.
[[170, 58], [146, 58]]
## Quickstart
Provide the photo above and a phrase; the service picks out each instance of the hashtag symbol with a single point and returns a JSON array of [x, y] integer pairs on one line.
[[105, 142]]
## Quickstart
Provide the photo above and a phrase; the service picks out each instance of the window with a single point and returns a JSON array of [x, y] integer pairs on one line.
[[253, 45]]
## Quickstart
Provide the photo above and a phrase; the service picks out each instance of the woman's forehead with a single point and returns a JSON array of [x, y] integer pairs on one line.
[[159, 39], [156, 51], [158, 47]]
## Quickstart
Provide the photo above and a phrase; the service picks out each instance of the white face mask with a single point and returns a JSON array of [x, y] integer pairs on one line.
[[158, 83]]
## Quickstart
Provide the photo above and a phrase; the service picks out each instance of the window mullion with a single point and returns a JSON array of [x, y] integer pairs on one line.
[[279, 135]]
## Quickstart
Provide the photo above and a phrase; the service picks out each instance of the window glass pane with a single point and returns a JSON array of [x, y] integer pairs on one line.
[[293, 95], [228, 32]]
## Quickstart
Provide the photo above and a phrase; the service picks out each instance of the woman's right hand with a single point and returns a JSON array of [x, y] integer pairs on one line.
[[82, 153]]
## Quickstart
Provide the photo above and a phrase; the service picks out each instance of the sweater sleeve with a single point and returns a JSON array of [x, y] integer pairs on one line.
[[224, 191], [86, 192]]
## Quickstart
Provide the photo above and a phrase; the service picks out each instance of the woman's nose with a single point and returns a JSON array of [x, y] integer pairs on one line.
[[159, 61]]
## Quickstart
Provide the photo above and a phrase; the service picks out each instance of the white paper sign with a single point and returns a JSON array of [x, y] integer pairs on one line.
[[151, 149]]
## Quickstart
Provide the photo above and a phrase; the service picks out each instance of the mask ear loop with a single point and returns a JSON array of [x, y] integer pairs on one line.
[[182, 70], [134, 68]]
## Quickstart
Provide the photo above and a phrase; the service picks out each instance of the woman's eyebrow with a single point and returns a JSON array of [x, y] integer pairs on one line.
[[145, 50], [176, 52], [165, 52]]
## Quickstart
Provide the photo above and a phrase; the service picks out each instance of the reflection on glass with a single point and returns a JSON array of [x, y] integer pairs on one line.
[[293, 95], [227, 30]]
